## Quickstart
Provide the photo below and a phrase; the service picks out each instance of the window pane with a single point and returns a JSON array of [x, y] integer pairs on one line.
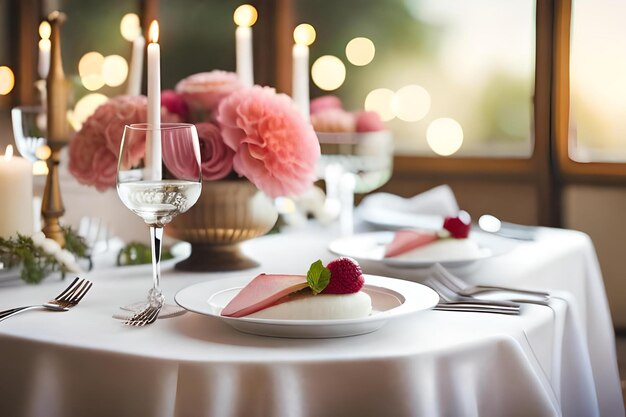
[[473, 62], [598, 81]]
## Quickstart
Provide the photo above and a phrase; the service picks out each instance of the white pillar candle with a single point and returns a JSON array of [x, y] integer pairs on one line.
[[43, 64], [303, 35], [245, 16], [153, 142], [136, 67], [16, 189]]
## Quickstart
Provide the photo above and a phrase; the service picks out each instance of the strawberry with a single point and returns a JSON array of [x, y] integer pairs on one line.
[[345, 277]]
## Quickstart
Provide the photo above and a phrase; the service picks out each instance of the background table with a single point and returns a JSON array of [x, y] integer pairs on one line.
[[548, 361]]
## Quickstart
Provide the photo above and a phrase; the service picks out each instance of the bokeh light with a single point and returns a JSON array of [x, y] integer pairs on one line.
[[328, 72], [360, 51], [90, 63], [43, 152], [130, 26], [245, 15], [45, 30], [114, 70], [304, 34], [44, 44], [93, 82], [411, 103], [90, 70], [7, 80], [40, 168], [381, 100], [444, 136], [85, 107]]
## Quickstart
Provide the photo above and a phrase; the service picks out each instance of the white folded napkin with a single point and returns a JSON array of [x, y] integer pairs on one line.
[[425, 210], [438, 201]]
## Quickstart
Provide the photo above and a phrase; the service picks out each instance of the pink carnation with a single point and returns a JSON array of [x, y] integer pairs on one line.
[[333, 120], [274, 146], [204, 91], [368, 121], [95, 148], [325, 102]]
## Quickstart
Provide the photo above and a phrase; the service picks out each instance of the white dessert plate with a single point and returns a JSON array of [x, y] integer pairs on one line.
[[370, 247], [391, 298]]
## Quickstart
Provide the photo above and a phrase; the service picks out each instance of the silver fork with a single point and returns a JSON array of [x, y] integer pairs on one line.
[[461, 287], [455, 302], [146, 316], [67, 299]]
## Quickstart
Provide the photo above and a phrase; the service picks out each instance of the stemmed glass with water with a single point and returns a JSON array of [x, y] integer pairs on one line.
[[353, 163], [157, 185]]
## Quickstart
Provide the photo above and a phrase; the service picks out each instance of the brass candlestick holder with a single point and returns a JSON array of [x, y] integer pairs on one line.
[[58, 133]]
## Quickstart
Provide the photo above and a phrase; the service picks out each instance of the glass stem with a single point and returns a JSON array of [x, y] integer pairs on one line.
[[347, 184], [155, 296]]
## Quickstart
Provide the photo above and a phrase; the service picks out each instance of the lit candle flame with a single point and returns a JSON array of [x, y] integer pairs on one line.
[[304, 34], [245, 15], [8, 154], [45, 30], [154, 31]]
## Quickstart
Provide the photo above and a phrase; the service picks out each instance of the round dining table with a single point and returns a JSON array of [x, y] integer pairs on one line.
[[551, 360]]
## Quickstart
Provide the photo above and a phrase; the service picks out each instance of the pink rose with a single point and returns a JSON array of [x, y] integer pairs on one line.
[[216, 156], [324, 103], [103, 130], [333, 120], [274, 146], [368, 121], [204, 91], [175, 104]]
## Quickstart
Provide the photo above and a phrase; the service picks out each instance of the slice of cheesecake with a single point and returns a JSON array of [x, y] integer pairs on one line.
[[262, 292], [406, 240]]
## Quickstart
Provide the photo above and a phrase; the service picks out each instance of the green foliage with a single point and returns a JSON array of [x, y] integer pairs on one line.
[[138, 254], [318, 276], [35, 262]]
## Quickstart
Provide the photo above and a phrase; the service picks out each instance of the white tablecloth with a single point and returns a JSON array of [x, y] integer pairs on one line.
[[546, 362]]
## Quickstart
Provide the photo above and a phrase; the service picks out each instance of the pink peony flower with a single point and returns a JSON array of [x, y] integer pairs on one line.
[[204, 91], [324, 103], [274, 146], [89, 155], [175, 104], [333, 120], [368, 121], [95, 148]]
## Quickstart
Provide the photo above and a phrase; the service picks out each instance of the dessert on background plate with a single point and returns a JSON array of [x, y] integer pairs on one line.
[[325, 293], [450, 242]]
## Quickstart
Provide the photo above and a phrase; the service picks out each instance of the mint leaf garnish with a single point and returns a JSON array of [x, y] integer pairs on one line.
[[318, 277]]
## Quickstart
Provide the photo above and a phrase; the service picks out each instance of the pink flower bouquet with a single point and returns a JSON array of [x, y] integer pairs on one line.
[[328, 115], [243, 132]]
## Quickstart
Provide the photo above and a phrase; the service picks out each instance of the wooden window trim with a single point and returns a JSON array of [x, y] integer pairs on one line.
[[573, 171]]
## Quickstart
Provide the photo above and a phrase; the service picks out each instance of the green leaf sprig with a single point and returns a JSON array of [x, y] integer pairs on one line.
[[318, 277], [20, 250]]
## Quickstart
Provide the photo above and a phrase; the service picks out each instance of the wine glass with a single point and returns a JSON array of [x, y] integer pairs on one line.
[[353, 163], [159, 184], [29, 129]]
